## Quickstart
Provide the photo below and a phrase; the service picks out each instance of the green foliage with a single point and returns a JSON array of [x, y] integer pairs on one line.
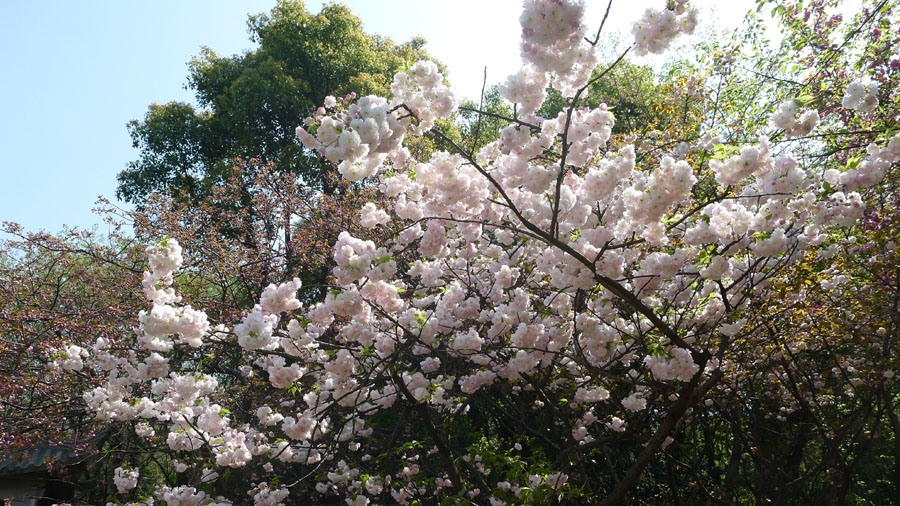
[[250, 104], [482, 129]]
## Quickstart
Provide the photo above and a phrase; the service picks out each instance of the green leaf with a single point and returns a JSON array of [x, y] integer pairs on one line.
[[723, 151], [802, 100]]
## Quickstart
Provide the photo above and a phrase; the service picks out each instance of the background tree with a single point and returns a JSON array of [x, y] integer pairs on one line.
[[811, 419], [57, 291], [251, 103]]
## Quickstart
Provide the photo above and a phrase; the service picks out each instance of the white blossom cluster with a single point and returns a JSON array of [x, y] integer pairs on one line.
[[786, 119], [870, 171], [71, 358], [359, 139], [861, 96], [421, 89], [185, 495], [125, 479], [553, 42], [656, 30], [734, 169], [165, 319], [371, 216], [281, 298], [526, 88], [680, 366], [265, 496]]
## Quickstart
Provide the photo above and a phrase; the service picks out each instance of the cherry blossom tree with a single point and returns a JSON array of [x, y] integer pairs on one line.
[[524, 314], [61, 292]]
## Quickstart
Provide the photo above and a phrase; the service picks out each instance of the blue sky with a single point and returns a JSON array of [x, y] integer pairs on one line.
[[76, 72]]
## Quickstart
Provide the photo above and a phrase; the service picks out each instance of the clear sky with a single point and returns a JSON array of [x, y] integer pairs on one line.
[[76, 72]]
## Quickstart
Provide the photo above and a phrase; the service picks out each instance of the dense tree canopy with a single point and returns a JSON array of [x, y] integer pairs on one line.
[[251, 103]]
